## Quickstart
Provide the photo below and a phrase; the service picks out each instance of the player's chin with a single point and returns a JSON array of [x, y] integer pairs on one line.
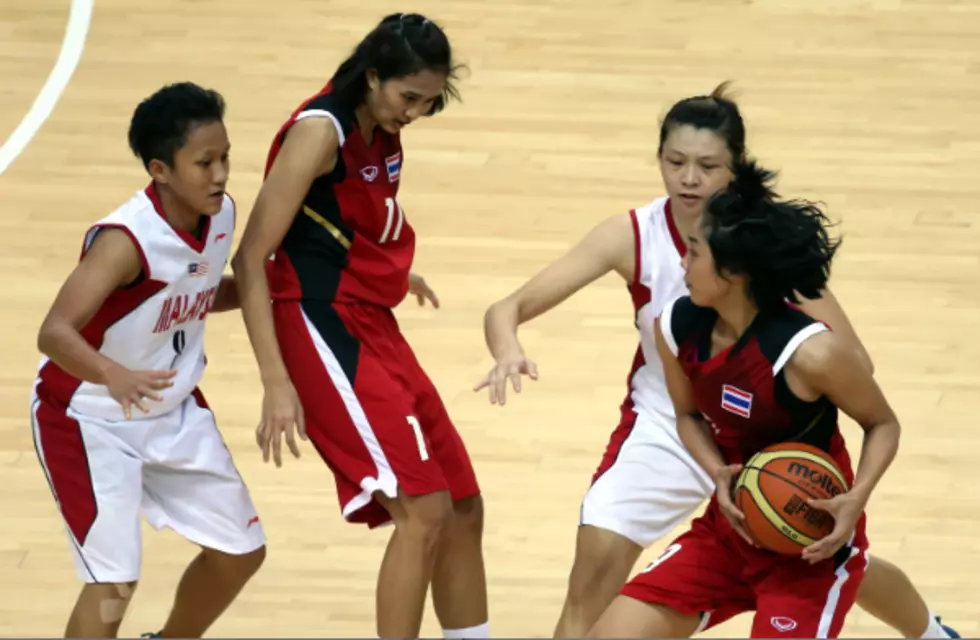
[[212, 204]]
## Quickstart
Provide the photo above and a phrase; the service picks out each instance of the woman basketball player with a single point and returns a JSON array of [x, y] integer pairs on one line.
[[333, 361], [647, 483], [747, 256]]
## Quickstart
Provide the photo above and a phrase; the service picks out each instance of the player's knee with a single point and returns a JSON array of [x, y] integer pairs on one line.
[[468, 516], [426, 517], [603, 561], [238, 567], [111, 599]]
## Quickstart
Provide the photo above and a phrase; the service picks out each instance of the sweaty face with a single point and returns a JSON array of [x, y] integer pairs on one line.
[[200, 169], [397, 102], [706, 287], [694, 164]]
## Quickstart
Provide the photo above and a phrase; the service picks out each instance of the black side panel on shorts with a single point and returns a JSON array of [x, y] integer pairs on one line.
[[331, 328]]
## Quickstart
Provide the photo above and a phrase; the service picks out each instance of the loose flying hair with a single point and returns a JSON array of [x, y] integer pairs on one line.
[[161, 123], [781, 246], [716, 112], [402, 44]]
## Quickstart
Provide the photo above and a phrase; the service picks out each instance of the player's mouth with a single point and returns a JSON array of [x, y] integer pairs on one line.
[[689, 198], [217, 195]]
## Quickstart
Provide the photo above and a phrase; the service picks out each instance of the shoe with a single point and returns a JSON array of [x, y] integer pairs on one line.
[[156, 634], [949, 630]]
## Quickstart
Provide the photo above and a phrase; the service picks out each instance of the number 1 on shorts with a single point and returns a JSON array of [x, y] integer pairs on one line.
[[419, 439]]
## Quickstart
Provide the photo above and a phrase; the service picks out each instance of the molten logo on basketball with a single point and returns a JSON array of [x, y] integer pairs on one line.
[[818, 476]]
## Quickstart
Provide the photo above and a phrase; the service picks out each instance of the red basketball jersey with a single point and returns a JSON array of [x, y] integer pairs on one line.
[[742, 391], [350, 241]]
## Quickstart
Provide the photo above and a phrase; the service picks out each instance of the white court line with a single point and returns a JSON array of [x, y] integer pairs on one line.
[[71, 52]]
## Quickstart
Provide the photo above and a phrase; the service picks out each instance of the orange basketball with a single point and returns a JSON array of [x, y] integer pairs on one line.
[[772, 491]]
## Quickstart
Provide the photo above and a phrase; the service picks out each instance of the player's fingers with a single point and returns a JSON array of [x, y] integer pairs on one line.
[[824, 505], [138, 403], [515, 379], [291, 441], [433, 298], [277, 446], [147, 391], [127, 409], [482, 383], [420, 297], [301, 421], [162, 375], [532, 369]]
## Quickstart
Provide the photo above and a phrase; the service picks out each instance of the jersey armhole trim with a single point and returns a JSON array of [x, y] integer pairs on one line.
[[666, 319], [637, 245], [795, 342], [323, 113], [94, 231]]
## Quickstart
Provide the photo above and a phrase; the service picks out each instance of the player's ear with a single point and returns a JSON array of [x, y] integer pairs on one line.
[[159, 171], [373, 82]]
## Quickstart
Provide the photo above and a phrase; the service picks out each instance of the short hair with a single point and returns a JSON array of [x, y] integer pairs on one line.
[[162, 122], [401, 45], [782, 246]]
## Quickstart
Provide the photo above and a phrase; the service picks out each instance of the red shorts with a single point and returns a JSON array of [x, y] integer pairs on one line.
[[711, 571], [371, 411]]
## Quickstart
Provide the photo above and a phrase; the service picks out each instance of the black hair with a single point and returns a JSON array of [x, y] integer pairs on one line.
[[161, 123], [781, 246], [402, 44], [716, 112]]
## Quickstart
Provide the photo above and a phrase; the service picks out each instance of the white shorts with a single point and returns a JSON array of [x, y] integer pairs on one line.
[[647, 482], [175, 468]]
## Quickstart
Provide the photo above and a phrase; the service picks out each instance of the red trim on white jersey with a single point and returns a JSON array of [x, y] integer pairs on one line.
[[197, 244], [675, 235]]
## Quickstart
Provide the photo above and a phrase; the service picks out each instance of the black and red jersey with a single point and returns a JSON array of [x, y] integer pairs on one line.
[[350, 241]]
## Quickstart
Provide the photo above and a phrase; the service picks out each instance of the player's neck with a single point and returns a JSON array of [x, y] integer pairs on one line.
[[684, 222], [178, 214], [365, 122], [734, 316]]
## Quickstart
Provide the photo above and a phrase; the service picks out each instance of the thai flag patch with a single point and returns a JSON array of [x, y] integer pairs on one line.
[[393, 164], [736, 401]]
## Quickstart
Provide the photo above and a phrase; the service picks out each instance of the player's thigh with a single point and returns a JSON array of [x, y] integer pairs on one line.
[[630, 618], [797, 599], [699, 574], [95, 478], [192, 486], [647, 484], [437, 431], [358, 414]]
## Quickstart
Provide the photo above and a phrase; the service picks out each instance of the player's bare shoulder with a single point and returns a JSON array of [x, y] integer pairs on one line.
[[113, 255], [813, 361]]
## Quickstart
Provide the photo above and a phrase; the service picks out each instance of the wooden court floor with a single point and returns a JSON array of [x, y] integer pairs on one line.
[[870, 106]]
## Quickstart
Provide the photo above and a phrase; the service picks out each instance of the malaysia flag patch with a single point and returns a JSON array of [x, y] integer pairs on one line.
[[736, 401], [393, 164]]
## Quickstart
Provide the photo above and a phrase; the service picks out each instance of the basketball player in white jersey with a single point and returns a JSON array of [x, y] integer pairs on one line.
[[119, 424], [647, 483]]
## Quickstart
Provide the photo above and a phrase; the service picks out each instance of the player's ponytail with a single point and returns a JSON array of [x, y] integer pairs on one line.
[[783, 248], [402, 44]]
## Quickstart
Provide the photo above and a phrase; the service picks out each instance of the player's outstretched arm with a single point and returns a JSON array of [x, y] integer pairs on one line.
[[310, 150], [607, 247], [828, 310], [110, 263], [827, 365]]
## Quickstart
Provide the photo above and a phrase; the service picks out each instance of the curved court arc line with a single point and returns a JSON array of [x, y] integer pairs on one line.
[[72, 46]]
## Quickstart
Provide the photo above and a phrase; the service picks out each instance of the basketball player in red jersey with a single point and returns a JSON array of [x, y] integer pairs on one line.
[[749, 254], [119, 424], [332, 358], [647, 483]]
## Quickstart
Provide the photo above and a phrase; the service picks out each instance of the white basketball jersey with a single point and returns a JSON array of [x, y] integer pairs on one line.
[[157, 323], [659, 279]]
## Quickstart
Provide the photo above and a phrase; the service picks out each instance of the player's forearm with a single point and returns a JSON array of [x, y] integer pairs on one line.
[[694, 433], [253, 291], [226, 298], [878, 452], [66, 347], [500, 328]]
